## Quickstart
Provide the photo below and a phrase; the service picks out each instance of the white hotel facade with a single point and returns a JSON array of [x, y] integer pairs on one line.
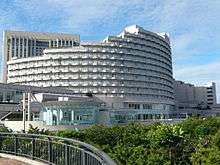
[[130, 72]]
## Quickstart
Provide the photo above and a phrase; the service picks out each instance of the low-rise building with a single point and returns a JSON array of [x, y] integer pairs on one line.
[[191, 96]]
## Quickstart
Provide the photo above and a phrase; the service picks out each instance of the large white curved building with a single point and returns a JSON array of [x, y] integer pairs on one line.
[[132, 70]]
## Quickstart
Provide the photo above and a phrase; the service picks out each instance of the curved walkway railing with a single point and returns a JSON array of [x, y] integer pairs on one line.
[[53, 150]]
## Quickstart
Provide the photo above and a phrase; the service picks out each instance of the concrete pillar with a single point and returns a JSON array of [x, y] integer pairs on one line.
[[29, 107], [61, 114], [58, 116], [57, 42], [72, 116]]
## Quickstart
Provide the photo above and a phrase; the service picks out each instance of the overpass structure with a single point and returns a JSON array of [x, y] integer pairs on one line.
[[53, 150]]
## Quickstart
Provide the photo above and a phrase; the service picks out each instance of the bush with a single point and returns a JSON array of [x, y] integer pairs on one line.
[[194, 141]]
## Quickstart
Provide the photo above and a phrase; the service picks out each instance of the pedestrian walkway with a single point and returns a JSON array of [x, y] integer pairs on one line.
[[7, 159]]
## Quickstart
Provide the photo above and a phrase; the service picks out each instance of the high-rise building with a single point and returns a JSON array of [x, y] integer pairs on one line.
[[132, 70], [18, 44]]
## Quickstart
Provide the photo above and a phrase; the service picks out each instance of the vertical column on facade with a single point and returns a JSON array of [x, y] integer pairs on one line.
[[19, 46], [24, 106], [34, 47], [31, 43], [22, 47], [61, 114], [57, 42], [10, 48], [15, 47], [27, 47], [72, 116], [72, 43], [58, 116], [29, 106], [50, 44]]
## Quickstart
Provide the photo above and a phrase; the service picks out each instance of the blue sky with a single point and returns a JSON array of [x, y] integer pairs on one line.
[[193, 25]]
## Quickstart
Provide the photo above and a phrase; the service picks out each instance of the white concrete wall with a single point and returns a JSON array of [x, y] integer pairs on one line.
[[19, 125]]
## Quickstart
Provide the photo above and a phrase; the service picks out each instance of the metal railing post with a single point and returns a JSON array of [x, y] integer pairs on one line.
[[67, 155], [16, 145], [83, 158], [33, 148], [49, 150]]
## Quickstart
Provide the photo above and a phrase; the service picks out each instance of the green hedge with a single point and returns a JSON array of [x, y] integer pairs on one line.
[[194, 141]]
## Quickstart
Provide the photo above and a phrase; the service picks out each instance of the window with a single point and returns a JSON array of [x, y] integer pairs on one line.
[[134, 106], [147, 106]]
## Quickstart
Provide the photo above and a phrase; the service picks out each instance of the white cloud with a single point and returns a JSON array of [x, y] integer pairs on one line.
[[196, 71]]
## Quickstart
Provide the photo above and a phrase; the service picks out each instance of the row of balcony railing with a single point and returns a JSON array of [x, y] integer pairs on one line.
[[72, 59], [117, 76], [146, 39], [91, 65], [139, 43], [89, 69]]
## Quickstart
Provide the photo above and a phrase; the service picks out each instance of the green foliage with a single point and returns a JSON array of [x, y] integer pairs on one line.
[[104, 135], [193, 141], [75, 134], [4, 129], [208, 151], [201, 127], [36, 130]]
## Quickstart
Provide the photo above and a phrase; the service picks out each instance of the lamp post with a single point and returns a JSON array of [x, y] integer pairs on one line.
[[24, 110]]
